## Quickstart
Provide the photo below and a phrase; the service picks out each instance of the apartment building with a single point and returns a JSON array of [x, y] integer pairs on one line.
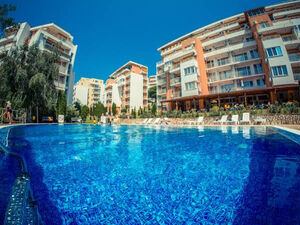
[[152, 81], [89, 91], [127, 87], [249, 58], [46, 37]]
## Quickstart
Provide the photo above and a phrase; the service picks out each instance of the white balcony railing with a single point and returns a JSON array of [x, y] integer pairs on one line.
[[175, 81], [294, 57], [230, 48]]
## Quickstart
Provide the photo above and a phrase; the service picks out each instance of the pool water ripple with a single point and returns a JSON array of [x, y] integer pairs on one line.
[[84, 174]]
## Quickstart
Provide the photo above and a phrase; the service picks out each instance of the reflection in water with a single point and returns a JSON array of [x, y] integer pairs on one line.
[[235, 129], [246, 132]]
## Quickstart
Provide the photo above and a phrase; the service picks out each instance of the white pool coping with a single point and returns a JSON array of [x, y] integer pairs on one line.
[[294, 131]]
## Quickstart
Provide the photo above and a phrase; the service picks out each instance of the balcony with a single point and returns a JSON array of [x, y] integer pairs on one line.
[[175, 81], [226, 37], [51, 49], [181, 54], [230, 48], [171, 50], [234, 75], [159, 63], [161, 81], [297, 76], [281, 26], [216, 31], [161, 91], [288, 12], [232, 61], [294, 57]]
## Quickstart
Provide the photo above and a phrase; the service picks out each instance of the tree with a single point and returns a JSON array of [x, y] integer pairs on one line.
[[152, 92], [77, 106], [71, 112], [114, 109], [84, 112], [27, 78], [6, 21], [133, 113], [61, 104], [153, 108]]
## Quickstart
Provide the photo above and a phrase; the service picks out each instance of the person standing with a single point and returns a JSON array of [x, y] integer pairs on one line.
[[8, 112]]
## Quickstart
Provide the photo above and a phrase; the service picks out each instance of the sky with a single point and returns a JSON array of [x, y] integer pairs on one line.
[[113, 32]]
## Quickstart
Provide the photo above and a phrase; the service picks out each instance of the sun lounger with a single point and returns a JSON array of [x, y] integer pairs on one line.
[[156, 121], [260, 120], [234, 119], [222, 120], [246, 118], [149, 121], [198, 121], [145, 121]]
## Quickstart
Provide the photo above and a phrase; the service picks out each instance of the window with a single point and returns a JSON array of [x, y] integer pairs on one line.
[[264, 24], [278, 71], [248, 83], [223, 61], [241, 57], [249, 39], [260, 82], [190, 86], [275, 51], [257, 68], [189, 70], [243, 71], [254, 54], [255, 13], [287, 38], [227, 87]]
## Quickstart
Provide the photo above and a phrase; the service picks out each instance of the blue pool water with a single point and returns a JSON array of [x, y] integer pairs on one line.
[[83, 174]]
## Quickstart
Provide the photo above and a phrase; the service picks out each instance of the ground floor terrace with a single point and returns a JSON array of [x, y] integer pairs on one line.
[[249, 97]]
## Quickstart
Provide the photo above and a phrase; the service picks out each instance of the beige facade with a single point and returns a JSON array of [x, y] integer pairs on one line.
[[127, 87], [254, 50], [95, 90]]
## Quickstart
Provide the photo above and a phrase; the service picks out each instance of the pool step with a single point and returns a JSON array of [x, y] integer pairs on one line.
[[20, 208]]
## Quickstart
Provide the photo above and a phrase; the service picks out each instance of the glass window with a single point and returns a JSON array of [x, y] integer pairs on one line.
[[254, 54], [248, 83], [275, 51], [243, 71], [257, 68], [279, 71], [287, 38], [189, 70], [190, 86], [264, 24]]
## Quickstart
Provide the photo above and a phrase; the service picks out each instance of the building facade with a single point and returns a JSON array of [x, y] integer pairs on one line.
[[249, 58], [152, 82], [89, 91], [127, 87], [46, 37]]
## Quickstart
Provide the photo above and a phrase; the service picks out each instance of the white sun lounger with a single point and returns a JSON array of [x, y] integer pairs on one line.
[[222, 120], [145, 121], [246, 118], [234, 119], [198, 121], [149, 121], [156, 121]]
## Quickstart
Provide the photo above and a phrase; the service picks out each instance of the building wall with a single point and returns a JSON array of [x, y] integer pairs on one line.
[[136, 91], [81, 94], [230, 55]]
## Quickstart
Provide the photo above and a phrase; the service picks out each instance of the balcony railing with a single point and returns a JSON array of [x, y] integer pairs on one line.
[[175, 81], [297, 76], [294, 57], [161, 91], [161, 81]]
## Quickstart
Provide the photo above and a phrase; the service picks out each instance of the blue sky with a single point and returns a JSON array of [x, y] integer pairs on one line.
[[110, 33]]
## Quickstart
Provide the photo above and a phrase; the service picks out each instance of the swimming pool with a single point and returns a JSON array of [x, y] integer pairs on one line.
[[84, 174]]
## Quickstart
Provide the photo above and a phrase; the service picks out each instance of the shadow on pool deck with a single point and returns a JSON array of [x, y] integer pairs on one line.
[[265, 199], [48, 211]]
